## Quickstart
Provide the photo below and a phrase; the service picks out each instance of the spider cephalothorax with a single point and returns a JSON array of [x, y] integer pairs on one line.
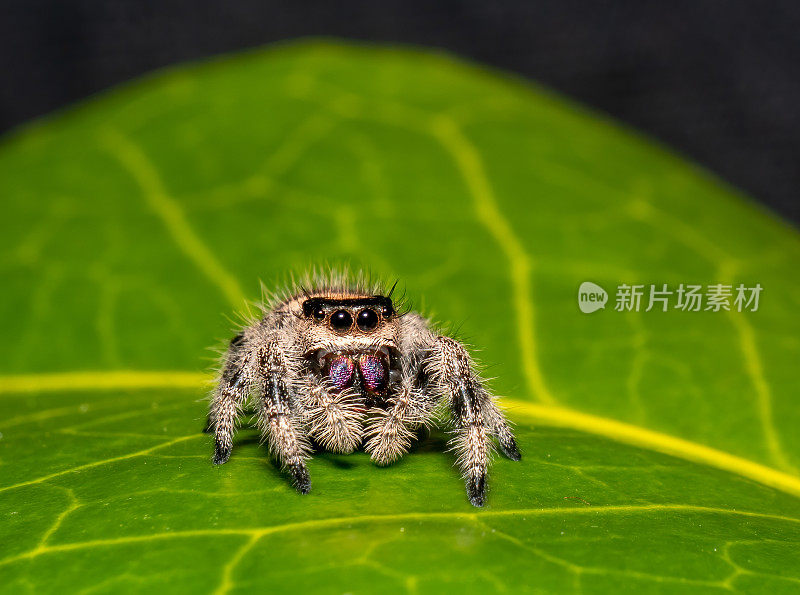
[[336, 363]]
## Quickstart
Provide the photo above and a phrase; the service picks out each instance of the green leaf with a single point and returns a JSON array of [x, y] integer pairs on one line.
[[660, 450]]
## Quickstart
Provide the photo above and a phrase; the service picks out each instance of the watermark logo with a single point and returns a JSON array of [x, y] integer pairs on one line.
[[685, 297], [591, 297]]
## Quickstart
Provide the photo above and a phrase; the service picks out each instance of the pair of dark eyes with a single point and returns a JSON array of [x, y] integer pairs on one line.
[[341, 320]]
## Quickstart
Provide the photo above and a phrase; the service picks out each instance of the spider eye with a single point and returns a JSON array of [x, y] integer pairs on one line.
[[387, 311], [319, 314], [367, 319], [341, 320]]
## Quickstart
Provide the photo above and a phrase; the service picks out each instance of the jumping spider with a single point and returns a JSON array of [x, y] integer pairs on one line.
[[336, 363]]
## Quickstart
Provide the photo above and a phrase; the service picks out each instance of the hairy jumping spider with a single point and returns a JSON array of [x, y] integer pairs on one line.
[[336, 363]]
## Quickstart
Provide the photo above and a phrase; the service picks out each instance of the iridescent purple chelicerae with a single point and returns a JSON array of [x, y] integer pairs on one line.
[[341, 372], [373, 369]]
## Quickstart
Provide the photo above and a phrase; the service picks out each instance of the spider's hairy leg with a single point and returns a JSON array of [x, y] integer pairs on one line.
[[226, 403], [391, 431], [501, 431], [278, 417], [244, 411], [475, 415], [333, 419]]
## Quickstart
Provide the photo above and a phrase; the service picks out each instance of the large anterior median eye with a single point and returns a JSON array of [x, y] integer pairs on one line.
[[367, 319], [341, 320]]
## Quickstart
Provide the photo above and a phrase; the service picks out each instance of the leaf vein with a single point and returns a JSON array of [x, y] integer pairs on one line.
[[258, 532], [133, 159]]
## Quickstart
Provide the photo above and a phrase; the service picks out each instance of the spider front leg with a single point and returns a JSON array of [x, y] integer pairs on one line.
[[279, 421], [226, 404], [391, 431], [333, 418], [475, 415]]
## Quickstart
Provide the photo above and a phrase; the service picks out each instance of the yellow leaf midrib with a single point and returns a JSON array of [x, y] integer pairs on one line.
[[547, 414]]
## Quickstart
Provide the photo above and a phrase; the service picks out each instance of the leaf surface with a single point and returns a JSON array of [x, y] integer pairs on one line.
[[660, 448]]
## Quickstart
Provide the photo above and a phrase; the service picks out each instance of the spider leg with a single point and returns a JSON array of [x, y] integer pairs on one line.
[[244, 411], [226, 403], [475, 415], [390, 432], [334, 419], [280, 414], [502, 432]]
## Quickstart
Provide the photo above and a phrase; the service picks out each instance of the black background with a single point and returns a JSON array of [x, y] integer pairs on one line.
[[718, 81]]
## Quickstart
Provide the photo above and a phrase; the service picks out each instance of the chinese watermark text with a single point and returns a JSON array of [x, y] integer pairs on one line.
[[661, 297]]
